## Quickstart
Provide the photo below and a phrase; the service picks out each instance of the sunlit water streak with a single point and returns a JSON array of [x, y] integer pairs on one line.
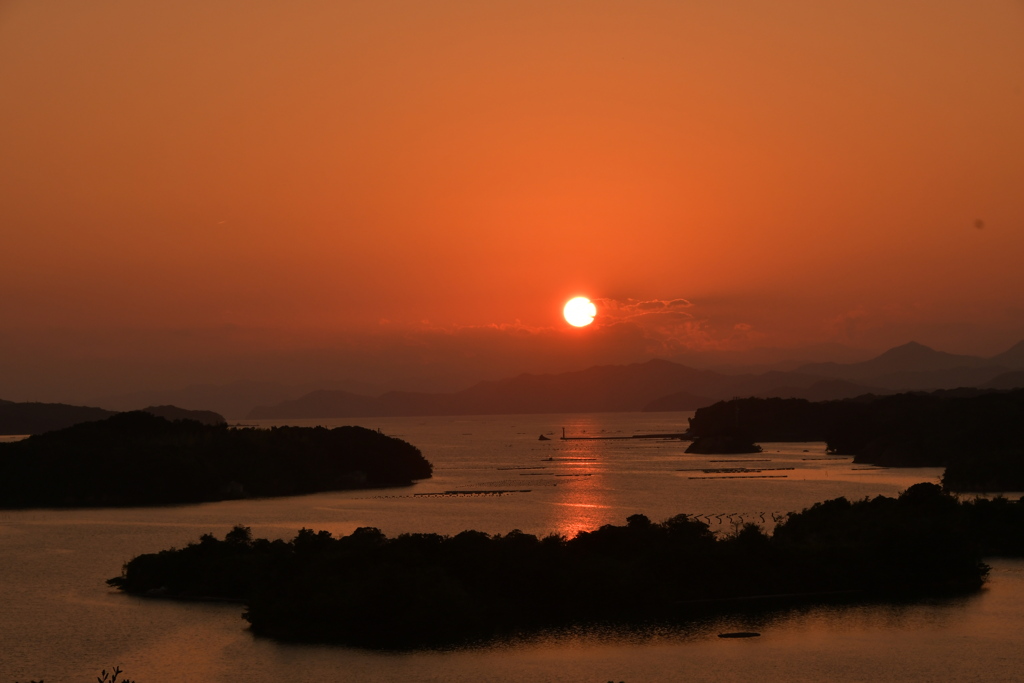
[[61, 623]]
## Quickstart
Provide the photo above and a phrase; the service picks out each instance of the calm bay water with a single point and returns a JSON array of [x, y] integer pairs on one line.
[[61, 623]]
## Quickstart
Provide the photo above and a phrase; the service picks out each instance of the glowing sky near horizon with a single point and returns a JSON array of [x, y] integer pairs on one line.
[[187, 182]]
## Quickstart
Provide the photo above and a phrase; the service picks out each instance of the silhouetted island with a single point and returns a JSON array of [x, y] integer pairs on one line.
[[138, 458], [426, 589], [975, 434]]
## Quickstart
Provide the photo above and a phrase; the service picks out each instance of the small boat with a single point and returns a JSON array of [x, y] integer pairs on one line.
[[543, 438]]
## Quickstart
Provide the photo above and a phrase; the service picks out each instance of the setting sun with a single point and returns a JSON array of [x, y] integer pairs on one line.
[[579, 311]]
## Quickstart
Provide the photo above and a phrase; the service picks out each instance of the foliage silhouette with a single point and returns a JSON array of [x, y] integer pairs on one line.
[[139, 459], [104, 677]]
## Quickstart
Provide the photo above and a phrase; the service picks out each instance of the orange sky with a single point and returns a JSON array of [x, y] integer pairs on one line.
[[204, 190]]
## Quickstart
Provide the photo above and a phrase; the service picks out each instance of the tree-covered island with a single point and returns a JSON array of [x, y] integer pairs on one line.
[[426, 589], [977, 436], [138, 458]]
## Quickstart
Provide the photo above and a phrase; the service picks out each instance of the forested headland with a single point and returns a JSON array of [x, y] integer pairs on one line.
[[977, 437], [137, 458], [426, 589]]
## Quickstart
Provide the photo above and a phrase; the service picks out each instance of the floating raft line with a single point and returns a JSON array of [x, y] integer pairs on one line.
[[674, 437], [677, 435], [568, 459], [745, 476], [536, 467], [549, 474], [484, 492], [735, 470], [731, 460]]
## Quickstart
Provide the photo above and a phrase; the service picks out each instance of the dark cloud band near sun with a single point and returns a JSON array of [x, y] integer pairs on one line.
[[662, 326], [667, 327], [655, 326], [613, 310]]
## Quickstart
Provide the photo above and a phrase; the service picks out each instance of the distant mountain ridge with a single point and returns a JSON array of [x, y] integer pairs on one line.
[[654, 385], [606, 388], [1012, 357], [233, 400], [37, 418], [915, 367], [664, 385]]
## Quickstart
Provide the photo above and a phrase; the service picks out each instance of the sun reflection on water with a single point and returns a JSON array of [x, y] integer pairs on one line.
[[580, 502]]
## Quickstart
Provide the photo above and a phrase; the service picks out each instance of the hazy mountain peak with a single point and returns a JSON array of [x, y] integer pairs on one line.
[[909, 351], [1013, 357], [913, 366]]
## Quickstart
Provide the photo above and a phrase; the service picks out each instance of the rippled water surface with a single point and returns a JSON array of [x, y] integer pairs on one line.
[[61, 623]]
